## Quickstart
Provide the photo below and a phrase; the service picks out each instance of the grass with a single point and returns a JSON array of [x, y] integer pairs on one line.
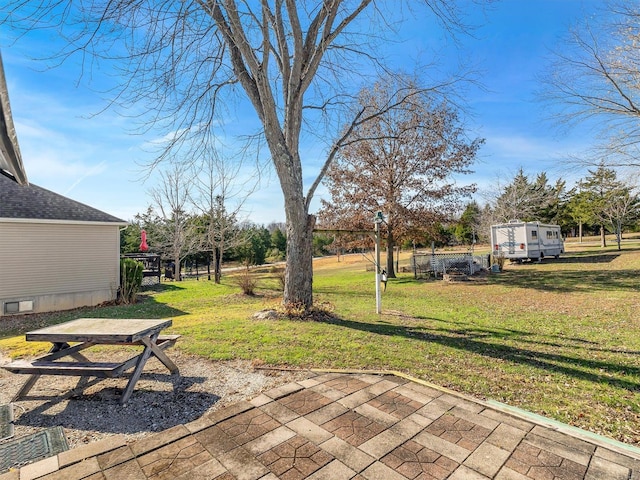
[[560, 338]]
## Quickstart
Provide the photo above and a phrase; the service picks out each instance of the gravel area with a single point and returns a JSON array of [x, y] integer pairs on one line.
[[159, 401]]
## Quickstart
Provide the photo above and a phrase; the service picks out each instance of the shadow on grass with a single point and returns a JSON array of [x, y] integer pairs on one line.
[[555, 341], [568, 281], [578, 258], [404, 280], [145, 307], [472, 330], [344, 290], [161, 287], [482, 342]]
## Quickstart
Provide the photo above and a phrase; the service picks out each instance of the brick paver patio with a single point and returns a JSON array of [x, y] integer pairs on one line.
[[338, 426]]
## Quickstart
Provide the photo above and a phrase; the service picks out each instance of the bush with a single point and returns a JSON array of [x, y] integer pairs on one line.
[[247, 282], [499, 260], [130, 279]]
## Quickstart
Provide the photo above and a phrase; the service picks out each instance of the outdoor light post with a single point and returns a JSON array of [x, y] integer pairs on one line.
[[377, 221]]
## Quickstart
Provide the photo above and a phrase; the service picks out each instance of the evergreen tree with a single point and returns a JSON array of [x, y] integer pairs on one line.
[[279, 241], [607, 200], [580, 210], [528, 200], [255, 245], [467, 226]]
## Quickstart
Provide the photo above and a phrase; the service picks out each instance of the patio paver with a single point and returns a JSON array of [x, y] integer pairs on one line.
[[339, 426]]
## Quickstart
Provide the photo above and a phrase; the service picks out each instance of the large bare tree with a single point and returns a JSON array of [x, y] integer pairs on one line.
[[294, 60], [595, 79], [402, 163]]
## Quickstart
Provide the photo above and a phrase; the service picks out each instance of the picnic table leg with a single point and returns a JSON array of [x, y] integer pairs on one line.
[[150, 348], [150, 343], [135, 376], [28, 385], [31, 381]]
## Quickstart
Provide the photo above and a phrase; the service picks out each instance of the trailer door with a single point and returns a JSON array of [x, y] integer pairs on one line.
[[511, 239]]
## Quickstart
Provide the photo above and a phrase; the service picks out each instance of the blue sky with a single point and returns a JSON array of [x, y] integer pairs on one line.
[[70, 148]]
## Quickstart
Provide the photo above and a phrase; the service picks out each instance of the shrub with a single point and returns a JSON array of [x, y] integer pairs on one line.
[[499, 260], [247, 282], [130, 279]]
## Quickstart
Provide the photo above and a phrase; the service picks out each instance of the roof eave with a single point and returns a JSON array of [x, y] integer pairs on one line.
[[120, 223]]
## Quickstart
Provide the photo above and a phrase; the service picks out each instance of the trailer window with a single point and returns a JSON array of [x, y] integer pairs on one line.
[[549, 234], [534, 234]]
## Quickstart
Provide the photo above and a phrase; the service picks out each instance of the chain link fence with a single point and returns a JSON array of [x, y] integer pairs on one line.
[[427, 265]]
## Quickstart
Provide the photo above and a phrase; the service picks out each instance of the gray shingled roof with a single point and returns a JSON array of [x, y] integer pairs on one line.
[[33, 202]]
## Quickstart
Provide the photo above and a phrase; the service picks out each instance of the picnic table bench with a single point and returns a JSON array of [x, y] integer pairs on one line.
[[88, 332]]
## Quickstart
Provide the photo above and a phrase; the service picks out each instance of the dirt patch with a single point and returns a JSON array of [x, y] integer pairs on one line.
[[159, 401]]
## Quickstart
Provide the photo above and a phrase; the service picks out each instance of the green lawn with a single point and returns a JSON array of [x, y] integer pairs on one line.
[[559, 338]]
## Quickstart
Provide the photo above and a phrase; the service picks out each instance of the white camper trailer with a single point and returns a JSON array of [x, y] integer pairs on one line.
[[520, 241]]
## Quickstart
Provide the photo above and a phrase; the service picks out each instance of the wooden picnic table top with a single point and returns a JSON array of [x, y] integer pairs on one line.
[[100, 330]]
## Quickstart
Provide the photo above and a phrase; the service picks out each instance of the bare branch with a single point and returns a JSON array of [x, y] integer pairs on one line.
[[596, 79]]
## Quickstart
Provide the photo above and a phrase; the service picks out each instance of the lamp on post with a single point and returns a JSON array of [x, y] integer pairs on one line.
[[379, 218]]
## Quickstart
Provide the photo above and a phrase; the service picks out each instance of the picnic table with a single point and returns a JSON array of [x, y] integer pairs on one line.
[[70, 338]]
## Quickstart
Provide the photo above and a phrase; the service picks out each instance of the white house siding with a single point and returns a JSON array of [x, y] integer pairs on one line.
[[58, 266]]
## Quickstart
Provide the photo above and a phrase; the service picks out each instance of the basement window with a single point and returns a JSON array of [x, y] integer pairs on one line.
[[22, 306], [11, 307]]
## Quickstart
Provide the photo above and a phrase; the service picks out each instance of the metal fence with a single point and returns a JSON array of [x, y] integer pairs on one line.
[[437, 264], [151, 270]]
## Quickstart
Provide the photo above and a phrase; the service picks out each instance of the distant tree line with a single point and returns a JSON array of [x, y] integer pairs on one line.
[[598, 204], [251, 244]]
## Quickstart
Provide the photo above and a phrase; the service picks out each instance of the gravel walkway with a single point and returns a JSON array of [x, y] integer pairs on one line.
[[159, 401]]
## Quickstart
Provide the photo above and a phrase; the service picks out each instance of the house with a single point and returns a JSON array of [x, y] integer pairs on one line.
[[56, 253]]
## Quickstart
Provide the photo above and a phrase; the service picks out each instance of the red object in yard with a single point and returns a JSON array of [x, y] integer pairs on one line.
[[143, 243]]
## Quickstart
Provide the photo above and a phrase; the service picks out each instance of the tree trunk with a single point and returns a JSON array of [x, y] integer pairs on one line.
[[217, 265], [391, 273], [298, 276], [397, 251], [580, 231], [176, 275], [603, 237], [299, 271]]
